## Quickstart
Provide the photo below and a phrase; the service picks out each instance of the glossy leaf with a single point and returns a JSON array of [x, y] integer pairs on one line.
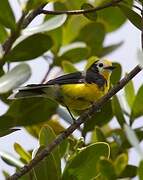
[[98, 135], [48, 25], [130, 171], [7, 131], [74, 55], [30, 48], [106, 169], [10, 159], [3, 34], [117, 111], [130, 93], [50, 164], [116, 74], [133, 17], [91, 16], [137, 109], [106, 17], [29, 111], [68, 67], [22, 152], [72, 28], [120, 163], [100, 118], [31, 4], [94, 38], [109, 49], [47, 135], [140, 170], [84, 165], [14, 78], [6, 15]]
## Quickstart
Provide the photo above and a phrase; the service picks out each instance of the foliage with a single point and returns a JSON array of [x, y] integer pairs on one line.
[[64, 41]]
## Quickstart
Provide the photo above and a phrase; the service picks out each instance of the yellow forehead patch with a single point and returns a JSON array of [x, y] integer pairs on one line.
[[106, 62]]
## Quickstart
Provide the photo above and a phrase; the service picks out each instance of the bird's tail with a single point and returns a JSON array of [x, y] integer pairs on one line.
[[33, 90]]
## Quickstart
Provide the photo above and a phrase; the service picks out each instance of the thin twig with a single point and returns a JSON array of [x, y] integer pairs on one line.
[[81, 11], [84, 117], [32, 15], [46, 75]]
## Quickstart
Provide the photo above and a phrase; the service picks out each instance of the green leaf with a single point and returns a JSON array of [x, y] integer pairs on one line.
[[116, 74], [68, 67], [130, 171], [98, 135], [92, 15], [14, 78], [48, 25], [32, 4], [3, 34], [133, 17], [140, 170], [106, 169], [49, 168], [109, 49], [47, 135], [83, 166], [29, 111], [137, 109], [22, 152], [7, 131], [117, 111], [30, 48], [10, 159], [130, 93], [109, 16], [121, 163], [71, 29], [57, 37], [102, 117], [74, 55], [6, 15], [94, 39]]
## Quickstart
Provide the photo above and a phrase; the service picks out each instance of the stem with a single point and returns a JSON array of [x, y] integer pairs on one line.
[[84, 117], [82, 11]]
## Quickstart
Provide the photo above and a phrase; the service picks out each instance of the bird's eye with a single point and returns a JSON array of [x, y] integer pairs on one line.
[[100, 65]]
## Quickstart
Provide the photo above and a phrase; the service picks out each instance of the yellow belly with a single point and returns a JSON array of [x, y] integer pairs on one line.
[[81, 96]]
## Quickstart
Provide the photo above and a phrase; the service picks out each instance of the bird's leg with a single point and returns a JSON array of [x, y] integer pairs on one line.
[[74, 120]]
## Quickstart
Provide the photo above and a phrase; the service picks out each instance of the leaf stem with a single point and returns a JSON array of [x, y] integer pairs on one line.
[[81, 11]]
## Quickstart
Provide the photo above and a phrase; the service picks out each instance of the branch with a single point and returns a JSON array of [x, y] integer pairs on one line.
[[82, 11], [84, 117]]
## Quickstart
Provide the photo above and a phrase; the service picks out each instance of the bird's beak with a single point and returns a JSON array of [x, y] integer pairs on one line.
[[111, 68]]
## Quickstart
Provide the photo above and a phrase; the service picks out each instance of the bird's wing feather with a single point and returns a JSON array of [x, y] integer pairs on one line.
[[71, 78]]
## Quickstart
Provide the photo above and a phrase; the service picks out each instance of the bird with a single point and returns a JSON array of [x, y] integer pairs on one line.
[[76, 91]]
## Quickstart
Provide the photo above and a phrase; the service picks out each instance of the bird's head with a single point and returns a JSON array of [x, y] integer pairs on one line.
[[104, 67]]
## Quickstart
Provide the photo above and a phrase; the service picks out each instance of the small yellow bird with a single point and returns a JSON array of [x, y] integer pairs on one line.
[[76, 91]]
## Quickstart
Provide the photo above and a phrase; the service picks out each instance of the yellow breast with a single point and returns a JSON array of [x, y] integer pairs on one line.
[[81, 96]]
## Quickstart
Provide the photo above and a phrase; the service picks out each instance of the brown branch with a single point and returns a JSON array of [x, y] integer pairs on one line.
[[84, 117], [82, 11]]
